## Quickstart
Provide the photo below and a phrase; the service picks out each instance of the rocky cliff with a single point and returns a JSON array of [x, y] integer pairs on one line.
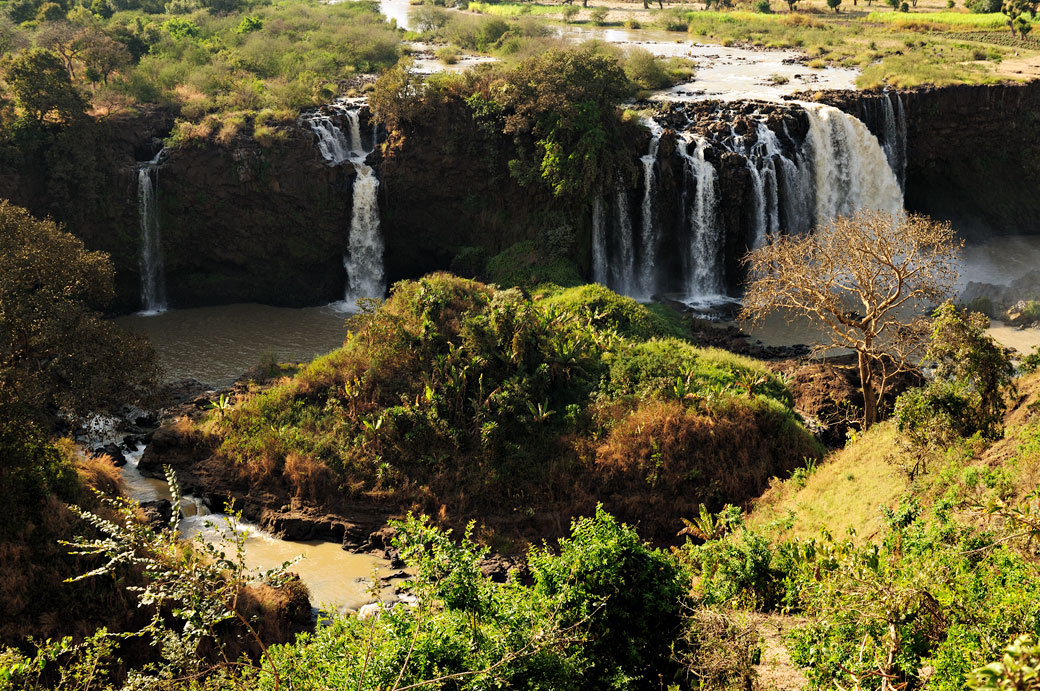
[[245, 221]]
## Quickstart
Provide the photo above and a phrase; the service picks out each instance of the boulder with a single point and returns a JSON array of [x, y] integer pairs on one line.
[[118, 459], [157, 513]]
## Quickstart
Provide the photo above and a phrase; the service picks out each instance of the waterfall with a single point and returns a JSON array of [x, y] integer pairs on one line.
[[703, 257], [759, 205], [649, 239], [622, 271], [364, 258], [895, 147], [851, 169], [600, 267], [363, 261], [153, 275]]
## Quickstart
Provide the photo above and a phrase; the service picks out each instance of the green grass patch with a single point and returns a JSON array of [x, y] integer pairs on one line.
[[994, 20], [513, 9], [844, 493]]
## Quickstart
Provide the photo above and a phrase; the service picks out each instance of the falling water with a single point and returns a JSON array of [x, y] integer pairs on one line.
[[649, 240], [622, 278], [851, 169], [704, 254], [363, 261], [153, 276], [600, 268], [364, 258]]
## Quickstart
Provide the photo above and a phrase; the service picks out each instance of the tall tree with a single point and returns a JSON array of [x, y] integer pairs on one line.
[[58, 357], [40, 83], [867, 281]]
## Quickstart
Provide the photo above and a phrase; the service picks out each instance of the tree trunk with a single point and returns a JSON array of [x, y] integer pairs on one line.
[[866, 378]]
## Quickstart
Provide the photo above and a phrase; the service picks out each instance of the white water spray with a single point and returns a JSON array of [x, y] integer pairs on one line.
[[622, 271], [363, 261], [600, 268], [851, 169], [153, 274], [703, 257], [649, 238]]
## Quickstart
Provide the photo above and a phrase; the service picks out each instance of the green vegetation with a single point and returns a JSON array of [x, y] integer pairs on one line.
[[892, 48], [58, 357], [973, 379], [559, 107], [224, 65], [461, 395], [60, 363], [924, 591]]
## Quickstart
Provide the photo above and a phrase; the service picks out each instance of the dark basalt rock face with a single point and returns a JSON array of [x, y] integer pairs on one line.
[[245, 221]]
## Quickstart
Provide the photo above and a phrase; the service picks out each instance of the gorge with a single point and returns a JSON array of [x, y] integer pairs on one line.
[[285, 224]]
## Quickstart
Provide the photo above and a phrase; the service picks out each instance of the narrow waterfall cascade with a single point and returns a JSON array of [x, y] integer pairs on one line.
[[153, 273], [650, 236], [363, 260], [600, 261], [851, 169], [623, 268], [895, 136], [703, 256]]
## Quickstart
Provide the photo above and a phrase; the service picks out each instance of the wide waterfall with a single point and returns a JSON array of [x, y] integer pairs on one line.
[[153, 275], [852, 171], [363, 260], [740, 174]]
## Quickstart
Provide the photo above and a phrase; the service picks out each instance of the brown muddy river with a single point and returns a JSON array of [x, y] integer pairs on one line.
[[216, 345]]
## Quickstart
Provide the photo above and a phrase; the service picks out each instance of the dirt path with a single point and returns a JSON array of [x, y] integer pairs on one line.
[[776, 672]]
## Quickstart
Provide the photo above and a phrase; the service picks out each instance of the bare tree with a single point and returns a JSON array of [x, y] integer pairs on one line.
[[868, 281]]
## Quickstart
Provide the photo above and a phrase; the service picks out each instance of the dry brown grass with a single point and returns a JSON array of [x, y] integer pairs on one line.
[[662, 461], [310, 478], [100, 473]]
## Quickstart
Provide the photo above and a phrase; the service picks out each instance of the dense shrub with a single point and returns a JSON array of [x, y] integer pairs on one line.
[[674, 368], [526, 266], [664, 459], [630, 596], [601, 614], [973, 378], [604, 309], [463, 395]]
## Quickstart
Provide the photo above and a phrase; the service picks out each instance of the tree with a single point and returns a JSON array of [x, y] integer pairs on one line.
[[866, 280], [64, 39], [962, 351], [103, 55], [58, 357], [562, 105], [39, 81], [1016, 11]]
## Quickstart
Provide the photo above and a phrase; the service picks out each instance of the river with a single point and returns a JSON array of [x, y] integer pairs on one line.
[[216, 345]]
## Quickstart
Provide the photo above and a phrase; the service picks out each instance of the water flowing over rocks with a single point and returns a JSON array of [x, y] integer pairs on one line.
[[729, 175], [341, 140], [268, 221]]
